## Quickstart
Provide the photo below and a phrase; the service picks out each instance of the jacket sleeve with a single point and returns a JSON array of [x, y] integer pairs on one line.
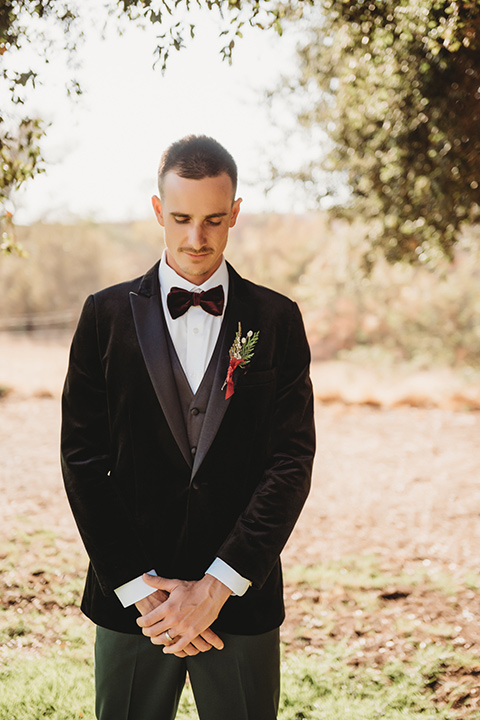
[[102, 518], [261, 531]]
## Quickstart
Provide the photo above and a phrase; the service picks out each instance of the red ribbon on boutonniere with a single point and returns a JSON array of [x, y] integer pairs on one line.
[[240, 353]]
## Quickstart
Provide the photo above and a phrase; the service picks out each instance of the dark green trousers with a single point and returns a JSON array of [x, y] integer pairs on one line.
[[134, 680]]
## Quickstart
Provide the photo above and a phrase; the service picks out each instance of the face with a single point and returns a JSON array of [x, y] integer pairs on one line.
[[196, 215]]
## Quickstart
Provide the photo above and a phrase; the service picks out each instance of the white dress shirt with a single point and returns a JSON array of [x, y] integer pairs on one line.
[[194, 335]]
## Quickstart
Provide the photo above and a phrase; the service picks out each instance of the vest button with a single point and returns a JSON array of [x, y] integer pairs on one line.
[[193, 450], [194, 411]]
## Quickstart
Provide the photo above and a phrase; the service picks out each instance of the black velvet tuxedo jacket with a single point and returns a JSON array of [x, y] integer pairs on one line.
[[139, 499]]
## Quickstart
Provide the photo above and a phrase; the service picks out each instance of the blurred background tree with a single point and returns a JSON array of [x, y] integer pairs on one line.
[[55, 28], [23, 24], [20, 160], [396, 87]]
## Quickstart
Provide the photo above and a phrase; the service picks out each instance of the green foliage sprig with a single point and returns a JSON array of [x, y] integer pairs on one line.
[[244, 347]]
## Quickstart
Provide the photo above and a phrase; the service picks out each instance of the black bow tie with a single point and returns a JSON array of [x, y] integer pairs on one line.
[[211, 301]]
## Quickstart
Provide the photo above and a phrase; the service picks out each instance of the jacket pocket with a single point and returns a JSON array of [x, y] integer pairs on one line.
[[262, 377]]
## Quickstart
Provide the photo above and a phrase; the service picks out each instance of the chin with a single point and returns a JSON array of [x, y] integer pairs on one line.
[[196, 270]]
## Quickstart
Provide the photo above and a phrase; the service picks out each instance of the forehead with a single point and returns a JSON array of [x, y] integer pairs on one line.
[[206, 196]]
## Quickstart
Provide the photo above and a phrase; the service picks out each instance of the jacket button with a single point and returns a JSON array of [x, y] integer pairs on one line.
[[193, 450], [194, 411]]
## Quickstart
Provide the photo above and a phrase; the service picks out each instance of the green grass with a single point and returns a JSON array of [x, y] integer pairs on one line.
[[352, 650], [326, 687], [369, 572], [329, 688], [59, 687]]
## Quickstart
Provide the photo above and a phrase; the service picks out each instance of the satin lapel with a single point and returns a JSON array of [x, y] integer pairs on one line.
[[217, 405], [151, 333]]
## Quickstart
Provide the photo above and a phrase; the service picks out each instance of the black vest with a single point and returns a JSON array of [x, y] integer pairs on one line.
[[193, 405]]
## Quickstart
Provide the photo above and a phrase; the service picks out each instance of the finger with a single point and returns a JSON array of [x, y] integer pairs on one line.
[[180, 643], [154, 617], [156, 623], [201, 644], [187, 650], [191, 650], [180, 653], [212, 639], [160, 583], [146, 605], [160, 639], [188, 644], [169, 636], [158, 630]]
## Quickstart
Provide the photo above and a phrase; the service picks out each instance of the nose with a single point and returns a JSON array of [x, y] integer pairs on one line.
[[196, 239]]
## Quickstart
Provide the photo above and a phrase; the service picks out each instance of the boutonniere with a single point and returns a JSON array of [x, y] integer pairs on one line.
[[240, 353]]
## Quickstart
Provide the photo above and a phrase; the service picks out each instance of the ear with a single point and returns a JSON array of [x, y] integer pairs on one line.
[[235, 211], [158, 210]]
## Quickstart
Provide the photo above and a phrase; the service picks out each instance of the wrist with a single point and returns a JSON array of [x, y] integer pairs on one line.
[[216, 588], [228, 576]]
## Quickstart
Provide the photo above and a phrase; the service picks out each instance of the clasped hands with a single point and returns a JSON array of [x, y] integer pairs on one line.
[[185, 609]]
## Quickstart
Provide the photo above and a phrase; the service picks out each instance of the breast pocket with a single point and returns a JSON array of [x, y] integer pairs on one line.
[[254, 379], [254, 397]]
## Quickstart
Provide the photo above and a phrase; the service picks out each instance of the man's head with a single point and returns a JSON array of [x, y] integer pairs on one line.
[[197, 181], [196, 157]]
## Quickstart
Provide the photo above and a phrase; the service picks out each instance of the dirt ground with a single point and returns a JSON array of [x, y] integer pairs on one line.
[[391, 480], [399, 481]]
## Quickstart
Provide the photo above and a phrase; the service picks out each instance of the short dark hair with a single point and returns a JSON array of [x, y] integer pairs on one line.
[[196, 157]]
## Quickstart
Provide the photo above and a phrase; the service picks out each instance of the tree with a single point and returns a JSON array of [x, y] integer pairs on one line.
[[396, 86], [19, 160], [58, 25], [23, 23]]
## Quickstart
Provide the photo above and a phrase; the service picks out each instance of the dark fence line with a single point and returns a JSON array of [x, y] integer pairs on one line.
[[33, 321]]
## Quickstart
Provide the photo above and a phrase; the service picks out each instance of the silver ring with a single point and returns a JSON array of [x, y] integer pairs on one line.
[[167, 635]]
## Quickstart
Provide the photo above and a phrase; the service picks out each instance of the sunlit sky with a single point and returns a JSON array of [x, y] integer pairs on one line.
[[102, 151]]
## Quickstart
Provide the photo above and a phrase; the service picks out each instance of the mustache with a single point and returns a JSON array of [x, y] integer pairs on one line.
[[191, 251]]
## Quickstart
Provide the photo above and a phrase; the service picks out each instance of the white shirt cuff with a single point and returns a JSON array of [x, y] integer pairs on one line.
[[134, 590], [229, 577]]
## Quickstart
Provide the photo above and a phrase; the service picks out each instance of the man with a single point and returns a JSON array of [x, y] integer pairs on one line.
[[187, 447]]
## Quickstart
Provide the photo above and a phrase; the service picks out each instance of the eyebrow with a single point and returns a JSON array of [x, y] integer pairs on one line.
[[207, 217]]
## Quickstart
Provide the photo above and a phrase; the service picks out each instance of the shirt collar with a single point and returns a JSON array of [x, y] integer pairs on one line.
[[169, 278]]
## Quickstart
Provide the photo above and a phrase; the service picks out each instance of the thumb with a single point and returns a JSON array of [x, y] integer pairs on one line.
[[160, 583]]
